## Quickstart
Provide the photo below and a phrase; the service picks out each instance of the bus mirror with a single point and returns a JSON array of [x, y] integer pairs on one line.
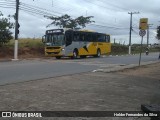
[[43, 39]]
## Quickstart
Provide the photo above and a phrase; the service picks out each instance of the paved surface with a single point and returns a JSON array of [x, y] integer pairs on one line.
[[125, 90], [25, 70]]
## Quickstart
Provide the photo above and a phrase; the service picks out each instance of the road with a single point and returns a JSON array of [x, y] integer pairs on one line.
[[25, 70]]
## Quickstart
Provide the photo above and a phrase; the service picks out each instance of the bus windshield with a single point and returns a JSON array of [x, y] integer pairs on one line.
[[54, 39]]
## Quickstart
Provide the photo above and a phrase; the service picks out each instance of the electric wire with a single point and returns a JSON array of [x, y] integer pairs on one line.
[[31, 6], [39, 8], [98, 5], [113, 5], [40, 12], [7, 4], [34, 10]]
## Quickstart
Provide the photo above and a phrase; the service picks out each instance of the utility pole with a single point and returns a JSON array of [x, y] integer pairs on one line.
[[149, 25], [16, 31], [130, 33]]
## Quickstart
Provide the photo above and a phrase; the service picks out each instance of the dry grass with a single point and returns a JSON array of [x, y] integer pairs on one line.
[[27, 48], [27, 42]]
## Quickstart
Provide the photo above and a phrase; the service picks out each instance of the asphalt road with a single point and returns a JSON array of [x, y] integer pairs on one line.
[[25, 70], [122, 91]]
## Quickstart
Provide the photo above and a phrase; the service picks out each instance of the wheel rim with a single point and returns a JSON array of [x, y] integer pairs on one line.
[[98, 53], [75, 54]]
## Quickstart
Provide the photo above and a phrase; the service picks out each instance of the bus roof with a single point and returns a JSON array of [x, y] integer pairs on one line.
[[87, 30], [63, 30]]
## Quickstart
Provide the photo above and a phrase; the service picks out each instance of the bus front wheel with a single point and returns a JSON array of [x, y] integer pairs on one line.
[[75, 54]]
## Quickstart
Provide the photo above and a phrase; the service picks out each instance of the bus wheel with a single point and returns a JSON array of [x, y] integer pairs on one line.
[[98, 53], [75, 54], [58, 57]]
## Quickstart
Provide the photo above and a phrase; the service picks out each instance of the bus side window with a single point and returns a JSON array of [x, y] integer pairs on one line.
[[82, 37], [94, 37], [101, 38], [76, 36], [89, 37], [107, 38], [69, 38]]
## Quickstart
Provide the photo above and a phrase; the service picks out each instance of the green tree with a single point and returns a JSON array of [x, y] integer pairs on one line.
[[65, 21], [158, 32], [5, 27]]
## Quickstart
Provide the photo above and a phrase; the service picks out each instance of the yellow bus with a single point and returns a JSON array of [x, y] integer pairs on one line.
[[75, 43]]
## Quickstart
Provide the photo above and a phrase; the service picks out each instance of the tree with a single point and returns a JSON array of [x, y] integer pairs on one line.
[[5, 26], [158, 33], [66, 21]]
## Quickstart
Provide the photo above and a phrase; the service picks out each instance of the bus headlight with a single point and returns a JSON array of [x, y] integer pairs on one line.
[[63, 49]]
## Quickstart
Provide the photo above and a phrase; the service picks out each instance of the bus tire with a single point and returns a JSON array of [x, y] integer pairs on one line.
[[58, 57], [98, 53], [75, 54]]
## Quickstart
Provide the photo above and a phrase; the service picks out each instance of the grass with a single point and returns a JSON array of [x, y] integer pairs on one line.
[[35, 48], [27, 48], [27, 42], [118, 49]]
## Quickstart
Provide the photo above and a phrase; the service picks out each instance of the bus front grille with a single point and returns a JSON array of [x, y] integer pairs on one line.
[[52, 48]]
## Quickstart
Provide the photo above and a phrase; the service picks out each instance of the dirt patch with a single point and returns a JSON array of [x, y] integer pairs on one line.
[[148, 70], [25, 52]]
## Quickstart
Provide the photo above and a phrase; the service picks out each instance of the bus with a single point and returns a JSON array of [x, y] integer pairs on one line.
[[75, 43]]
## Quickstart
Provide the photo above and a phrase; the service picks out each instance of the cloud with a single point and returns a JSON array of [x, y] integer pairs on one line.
[[110, 16]]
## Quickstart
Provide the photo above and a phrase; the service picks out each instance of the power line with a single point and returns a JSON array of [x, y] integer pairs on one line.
[[113, 5], [7, 4], [8, 1], [36, 10], [7, 7], [39, 8], [102, 6], [111, 27]]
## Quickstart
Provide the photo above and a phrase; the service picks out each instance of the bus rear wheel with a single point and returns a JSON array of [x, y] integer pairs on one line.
[[98, 53]]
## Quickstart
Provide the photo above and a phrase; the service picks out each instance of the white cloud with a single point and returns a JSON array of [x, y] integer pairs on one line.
[[111, 14]]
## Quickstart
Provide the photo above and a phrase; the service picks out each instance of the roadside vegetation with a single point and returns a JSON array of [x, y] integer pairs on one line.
[[119, 49], [27, 48], [5, 29], [34, 48]]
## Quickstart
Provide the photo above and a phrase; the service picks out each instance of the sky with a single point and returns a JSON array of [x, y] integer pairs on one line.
[[110, 16]]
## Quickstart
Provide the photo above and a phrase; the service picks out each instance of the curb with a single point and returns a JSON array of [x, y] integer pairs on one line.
[[5, 60]]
